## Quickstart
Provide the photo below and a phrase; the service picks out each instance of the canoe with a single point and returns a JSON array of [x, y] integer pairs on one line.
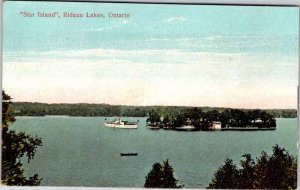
[[128, 154]]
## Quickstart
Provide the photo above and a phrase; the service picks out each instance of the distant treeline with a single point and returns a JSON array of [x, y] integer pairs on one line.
[[91, 110]]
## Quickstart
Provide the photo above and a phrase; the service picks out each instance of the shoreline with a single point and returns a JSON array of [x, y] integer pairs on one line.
[[223, 129]]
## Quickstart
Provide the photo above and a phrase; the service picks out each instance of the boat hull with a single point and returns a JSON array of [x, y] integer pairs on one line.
[[153, 127], [128, 154], [121, 126]]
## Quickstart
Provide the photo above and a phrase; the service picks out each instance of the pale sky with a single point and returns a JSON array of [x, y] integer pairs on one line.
[[221, 56]]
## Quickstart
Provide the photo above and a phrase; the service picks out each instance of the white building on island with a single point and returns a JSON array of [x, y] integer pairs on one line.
[[216, 125]]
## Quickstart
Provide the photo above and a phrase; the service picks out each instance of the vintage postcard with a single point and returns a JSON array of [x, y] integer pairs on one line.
[[149, 95]]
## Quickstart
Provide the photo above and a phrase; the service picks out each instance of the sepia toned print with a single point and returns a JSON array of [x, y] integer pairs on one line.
[[149, 95]]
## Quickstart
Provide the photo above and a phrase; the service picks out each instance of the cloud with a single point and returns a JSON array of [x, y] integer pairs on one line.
[[175, 19], [267, 45], [169, 56], [108, 28], [166, 56], [164, 21], [151, 77], [75, 81], [216, 37]]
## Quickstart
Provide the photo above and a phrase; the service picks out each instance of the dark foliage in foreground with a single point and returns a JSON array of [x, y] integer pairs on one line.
[[276, 171], [14, 147], [161, 176]]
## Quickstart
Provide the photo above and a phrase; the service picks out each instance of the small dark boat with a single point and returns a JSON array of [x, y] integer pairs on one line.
[[128, 154]]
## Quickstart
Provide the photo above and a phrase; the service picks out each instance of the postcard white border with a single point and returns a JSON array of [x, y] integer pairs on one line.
[[207, 2]]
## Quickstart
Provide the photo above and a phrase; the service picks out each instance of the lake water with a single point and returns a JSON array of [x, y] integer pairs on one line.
[[81, 151]]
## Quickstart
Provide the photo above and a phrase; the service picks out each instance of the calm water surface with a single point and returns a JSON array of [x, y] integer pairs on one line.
[[81, 151]]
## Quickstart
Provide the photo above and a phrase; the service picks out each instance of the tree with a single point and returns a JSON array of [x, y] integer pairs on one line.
[[154, 177], [154, 118], [161, 176], [247, 172], [14, 147], [166, 121], [225, 118], [193, 115], [179, 121], [276, 171], [226, 177], [206, 120]]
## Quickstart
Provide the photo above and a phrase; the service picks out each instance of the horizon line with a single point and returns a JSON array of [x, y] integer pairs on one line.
[[161, 106]]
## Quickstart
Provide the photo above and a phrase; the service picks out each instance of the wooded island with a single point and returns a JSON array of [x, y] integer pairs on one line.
[[228, 119]]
